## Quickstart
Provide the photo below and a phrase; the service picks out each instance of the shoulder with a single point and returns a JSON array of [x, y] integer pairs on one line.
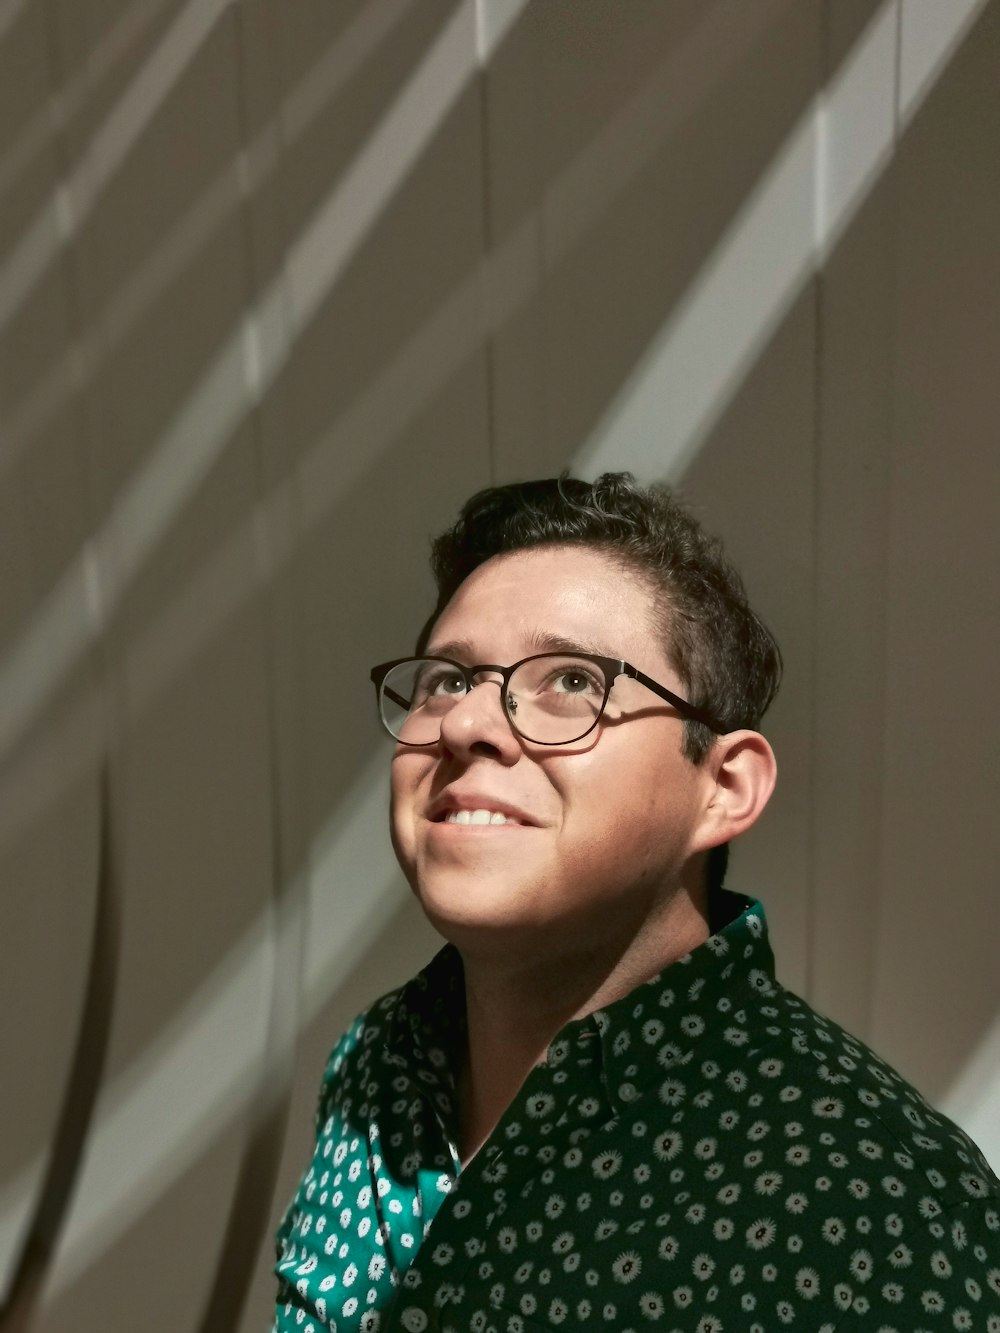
[[347, 1064], [846, 1092]]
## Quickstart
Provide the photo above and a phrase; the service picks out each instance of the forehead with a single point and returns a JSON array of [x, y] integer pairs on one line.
[[553, 596]]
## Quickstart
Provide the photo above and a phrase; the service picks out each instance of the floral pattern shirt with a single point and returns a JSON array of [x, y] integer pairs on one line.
[[707, 1154]]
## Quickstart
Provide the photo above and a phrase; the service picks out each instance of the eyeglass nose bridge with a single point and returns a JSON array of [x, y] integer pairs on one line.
[[508, 704]]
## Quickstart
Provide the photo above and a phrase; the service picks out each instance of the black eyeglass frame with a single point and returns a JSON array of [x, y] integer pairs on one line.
[[612, 667]]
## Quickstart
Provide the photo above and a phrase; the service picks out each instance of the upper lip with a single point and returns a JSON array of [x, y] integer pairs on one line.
[[463, 800]]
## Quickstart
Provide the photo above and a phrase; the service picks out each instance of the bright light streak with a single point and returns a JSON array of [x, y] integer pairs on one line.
[[973, 1101], [930, 32], [192, 1079], [29, 258], [128, 303], [69, 99], [147, 504]]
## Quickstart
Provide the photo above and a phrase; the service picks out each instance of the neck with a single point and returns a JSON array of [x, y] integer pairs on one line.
[[515, 1009]]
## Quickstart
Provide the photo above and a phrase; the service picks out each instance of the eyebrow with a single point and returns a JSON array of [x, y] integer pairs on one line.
[[462, 650]]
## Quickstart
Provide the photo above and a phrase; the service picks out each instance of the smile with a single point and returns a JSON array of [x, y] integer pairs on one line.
[[479, 817]]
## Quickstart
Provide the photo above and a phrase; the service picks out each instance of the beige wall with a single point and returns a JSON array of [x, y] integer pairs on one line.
[[281, 285]]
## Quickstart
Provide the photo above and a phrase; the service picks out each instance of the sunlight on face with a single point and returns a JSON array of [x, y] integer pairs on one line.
[[594, 836]]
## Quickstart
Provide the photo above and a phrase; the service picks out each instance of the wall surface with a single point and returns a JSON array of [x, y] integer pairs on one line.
[[279, 287]]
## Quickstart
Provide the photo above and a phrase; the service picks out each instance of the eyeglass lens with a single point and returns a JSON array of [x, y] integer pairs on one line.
[[553, 699]]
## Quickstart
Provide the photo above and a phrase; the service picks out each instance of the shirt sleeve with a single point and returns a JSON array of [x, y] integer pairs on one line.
[[324, 1104]]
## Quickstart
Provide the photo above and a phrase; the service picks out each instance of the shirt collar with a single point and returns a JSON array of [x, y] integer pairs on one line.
[[667, 1015]]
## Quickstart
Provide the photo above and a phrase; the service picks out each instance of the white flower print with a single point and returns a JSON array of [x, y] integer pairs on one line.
[[768, 1182], [627, 1267], [669, 1247], [666, 1146], [761, 1233], [807, 1283], [669, 1055], [671, 1092], [376, 1267], [829, 1108], [539, 1105], [862, 1265], [651, 1305], [507, 1240], [940, 1264], [703, 1266]]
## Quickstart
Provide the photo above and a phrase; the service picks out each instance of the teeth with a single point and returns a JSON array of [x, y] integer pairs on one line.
[[478, 817]]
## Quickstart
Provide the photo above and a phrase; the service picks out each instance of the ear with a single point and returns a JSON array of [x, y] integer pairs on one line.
[[740, 773]]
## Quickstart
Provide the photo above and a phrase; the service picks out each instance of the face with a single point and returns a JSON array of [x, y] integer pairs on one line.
[[607, 828]]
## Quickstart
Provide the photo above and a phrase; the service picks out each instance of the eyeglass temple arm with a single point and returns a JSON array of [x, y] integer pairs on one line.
[[396, 698], [683, 707]]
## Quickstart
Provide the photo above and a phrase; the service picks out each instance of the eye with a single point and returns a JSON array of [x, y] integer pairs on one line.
[[438, 681], [574, 680]]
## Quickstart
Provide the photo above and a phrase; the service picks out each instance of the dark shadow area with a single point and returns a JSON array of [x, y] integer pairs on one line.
[[82, 1086]]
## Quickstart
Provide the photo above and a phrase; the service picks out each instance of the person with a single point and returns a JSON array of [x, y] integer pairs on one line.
[[597, 1107]]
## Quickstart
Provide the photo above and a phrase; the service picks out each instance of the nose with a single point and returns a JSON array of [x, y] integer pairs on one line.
[[477, 724]]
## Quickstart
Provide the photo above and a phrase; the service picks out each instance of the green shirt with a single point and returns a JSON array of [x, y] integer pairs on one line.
[[706, 1154]]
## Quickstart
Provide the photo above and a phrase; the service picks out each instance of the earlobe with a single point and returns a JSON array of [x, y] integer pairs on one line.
[[744, 772]]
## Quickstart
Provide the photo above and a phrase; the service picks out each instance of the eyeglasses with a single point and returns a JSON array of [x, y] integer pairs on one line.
[[548, 699]]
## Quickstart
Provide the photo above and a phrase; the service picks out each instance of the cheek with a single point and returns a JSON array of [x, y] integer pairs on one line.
[[631, 813], [408, 770]]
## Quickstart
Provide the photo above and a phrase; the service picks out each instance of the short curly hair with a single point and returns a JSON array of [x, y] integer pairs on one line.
[[727, 658]]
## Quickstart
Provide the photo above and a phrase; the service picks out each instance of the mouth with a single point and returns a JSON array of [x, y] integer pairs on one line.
[[477, 810], [479, 819]]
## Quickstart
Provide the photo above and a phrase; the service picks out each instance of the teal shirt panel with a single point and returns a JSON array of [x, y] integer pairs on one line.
[[706, 1154]]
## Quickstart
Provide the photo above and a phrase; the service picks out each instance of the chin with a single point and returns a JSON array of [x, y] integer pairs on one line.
[[474, 905]]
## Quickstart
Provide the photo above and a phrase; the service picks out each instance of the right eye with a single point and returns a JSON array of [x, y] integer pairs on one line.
[[440, 682]]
